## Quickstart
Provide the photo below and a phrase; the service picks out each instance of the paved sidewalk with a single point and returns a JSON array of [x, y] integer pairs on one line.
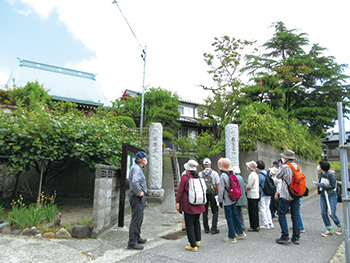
[[111, 247]]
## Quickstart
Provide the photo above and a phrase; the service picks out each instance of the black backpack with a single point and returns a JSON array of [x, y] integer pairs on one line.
[[211, 188], [269, 187]]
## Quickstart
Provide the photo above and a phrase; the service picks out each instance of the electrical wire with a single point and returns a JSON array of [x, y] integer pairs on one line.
[[115, 2]]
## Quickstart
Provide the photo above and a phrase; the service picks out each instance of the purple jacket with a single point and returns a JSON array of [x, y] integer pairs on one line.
[[182, 198]]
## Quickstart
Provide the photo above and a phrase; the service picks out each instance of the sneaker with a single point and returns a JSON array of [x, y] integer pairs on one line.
[[241, 235], [230, 240], [265, 227], [296, 241], [327, 234], [253, 229], [302, 230], [142, 241], [194, 249], [216, 231], [271, 226], [339, 231], [198, 243], [282, 241]]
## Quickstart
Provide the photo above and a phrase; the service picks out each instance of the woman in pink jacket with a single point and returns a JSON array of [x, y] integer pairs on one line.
[[192, 212]]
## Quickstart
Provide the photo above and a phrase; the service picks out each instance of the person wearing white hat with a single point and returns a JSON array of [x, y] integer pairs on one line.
[[191, 212], [212, 180], [253, 197]]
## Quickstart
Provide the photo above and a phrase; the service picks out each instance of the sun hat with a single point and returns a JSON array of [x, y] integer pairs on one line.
[[191, 165], [251, 165], [206, 161], [141, 155], [273, 170], [288, 154], [236, 170], [224, 164]]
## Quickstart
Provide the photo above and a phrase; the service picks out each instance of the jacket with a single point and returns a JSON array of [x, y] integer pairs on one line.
[[137, 180], [243, 200], [253, 186], [285, 173], [223, 190], [329, 184], [262, 177], [182, 197]]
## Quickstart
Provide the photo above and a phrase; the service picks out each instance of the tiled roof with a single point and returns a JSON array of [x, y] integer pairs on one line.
[[61, 83]]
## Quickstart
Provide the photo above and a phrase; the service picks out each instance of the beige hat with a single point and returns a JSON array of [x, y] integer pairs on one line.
[[273, 170], [236, 170], [191, 165], [251, 165], [206, 161], [288, 154], [224, 164]]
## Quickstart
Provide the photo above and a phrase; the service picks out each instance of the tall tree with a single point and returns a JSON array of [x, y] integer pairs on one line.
[[310, 82]]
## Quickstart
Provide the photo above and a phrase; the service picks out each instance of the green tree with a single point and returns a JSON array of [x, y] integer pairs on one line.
[[36, 135], [160, 105], [308, 84]]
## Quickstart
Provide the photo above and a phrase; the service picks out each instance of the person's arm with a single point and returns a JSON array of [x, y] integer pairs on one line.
[[181, 188], [250, 182], [221, 189]]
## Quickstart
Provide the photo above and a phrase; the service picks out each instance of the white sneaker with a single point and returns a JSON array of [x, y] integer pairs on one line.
[[339, 231], [265, 227], [271, 226]]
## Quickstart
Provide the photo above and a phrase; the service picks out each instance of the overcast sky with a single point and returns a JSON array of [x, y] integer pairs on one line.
[[92, 36]]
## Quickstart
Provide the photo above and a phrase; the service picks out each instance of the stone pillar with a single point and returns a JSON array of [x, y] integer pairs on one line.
[[105, 204], [155, 171], [232, 146]]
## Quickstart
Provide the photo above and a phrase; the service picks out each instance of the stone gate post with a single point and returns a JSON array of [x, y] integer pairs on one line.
[[232, 146], [155, 172]]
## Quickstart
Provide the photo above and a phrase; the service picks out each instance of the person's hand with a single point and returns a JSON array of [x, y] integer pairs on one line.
[[142, 194], [220, 204], [177, 207], [277, 195]]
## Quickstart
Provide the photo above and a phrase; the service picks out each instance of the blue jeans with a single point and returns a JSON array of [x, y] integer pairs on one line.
[[300, 221], [333, 198], [233, 223], [283, 206]]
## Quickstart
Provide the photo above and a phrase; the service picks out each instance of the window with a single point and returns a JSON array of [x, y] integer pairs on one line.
[[181, 110]]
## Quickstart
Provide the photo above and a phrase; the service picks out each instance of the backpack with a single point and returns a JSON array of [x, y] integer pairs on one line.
[[211, 188], [297, 187], [269, 187], [234, 192], [196, 191]]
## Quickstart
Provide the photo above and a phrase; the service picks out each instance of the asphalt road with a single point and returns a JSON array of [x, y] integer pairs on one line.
[[111, 247]]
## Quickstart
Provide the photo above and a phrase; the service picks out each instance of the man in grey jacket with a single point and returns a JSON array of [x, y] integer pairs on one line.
[[285, 173], [138, 190]]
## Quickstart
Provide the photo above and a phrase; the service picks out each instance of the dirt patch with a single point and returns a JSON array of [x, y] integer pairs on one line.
[[174, 235]]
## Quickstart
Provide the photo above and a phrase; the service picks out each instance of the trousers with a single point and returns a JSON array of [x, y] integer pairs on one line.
[[137, 204]]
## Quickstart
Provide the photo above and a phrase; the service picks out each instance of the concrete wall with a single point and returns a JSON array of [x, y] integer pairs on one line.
[[269, 154]]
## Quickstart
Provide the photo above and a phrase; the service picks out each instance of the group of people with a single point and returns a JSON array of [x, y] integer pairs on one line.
[[217, 195]]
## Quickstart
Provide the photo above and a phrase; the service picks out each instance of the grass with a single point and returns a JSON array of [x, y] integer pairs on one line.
[[335, 165]]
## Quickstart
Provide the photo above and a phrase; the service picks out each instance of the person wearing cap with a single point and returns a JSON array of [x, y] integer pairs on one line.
[[212, 191], [327, 190], [285, 201], [191, 212], [230, 208], [138, 190], [243, 200], [253, 196]]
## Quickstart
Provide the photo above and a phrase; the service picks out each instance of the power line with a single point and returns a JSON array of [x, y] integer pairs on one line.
[[115, 2]]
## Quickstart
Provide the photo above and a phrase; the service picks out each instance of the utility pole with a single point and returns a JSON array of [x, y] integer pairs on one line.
[[143, 85], [345, 180]]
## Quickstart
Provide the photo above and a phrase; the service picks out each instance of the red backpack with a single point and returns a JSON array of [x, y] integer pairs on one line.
[[234, 192], [297, 187]]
